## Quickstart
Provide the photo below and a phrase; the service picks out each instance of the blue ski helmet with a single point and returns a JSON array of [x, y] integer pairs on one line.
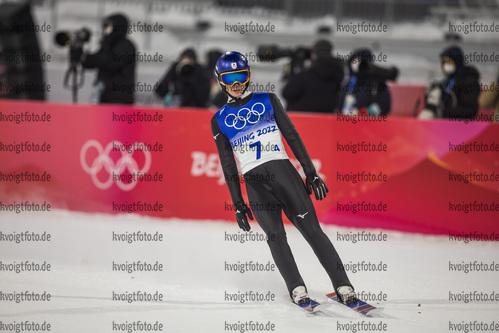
[[232, 67]]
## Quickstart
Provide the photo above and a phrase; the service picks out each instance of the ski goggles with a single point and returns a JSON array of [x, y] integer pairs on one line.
[[229, 78]]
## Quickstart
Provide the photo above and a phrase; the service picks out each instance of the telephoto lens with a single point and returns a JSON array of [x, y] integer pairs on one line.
[[72, 38]]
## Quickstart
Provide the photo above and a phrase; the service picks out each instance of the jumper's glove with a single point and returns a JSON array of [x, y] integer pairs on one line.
[[316, 184], [241, 211]]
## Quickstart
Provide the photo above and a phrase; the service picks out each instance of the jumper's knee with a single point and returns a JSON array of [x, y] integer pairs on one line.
[[276, 237]]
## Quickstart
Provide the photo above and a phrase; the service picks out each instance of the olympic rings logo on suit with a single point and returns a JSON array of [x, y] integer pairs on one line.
[[249, 118], [125, 162]]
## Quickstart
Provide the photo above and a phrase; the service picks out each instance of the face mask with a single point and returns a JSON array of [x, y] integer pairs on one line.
[[355, 65], [108, 29], [448, 68]]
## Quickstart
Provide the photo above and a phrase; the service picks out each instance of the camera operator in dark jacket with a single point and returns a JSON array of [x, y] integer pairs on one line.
[[187, 82], [315, 89], [366, 90], [456, 96], [116, 63]]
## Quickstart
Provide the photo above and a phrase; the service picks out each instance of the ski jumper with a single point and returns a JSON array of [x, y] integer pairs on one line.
[[250, 128]]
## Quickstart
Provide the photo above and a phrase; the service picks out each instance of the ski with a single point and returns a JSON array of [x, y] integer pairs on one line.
[[358, 306], [311, 307]]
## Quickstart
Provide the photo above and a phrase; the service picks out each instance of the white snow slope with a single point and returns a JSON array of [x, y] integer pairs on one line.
[[197, 285]]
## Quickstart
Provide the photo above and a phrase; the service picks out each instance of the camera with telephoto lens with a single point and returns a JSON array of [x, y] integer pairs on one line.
[[297, 57], [74, 39], [184, 68], [74, 77], [381, 73]]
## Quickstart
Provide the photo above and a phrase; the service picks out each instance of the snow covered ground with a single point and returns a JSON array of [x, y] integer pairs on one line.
[[198, 286]]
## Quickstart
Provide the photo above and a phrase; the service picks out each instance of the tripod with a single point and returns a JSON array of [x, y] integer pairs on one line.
[[75, 69]]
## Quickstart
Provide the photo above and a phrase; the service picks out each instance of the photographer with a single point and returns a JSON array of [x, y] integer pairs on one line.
[[186, 83], [316, 88], [456, 96], [366, 90], [115, 61], [217, 97]]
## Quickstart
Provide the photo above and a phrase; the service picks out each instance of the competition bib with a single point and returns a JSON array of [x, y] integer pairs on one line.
[[252, 132]]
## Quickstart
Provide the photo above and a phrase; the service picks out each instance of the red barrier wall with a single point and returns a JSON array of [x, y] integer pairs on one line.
[[407, 99], [187, 180]]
